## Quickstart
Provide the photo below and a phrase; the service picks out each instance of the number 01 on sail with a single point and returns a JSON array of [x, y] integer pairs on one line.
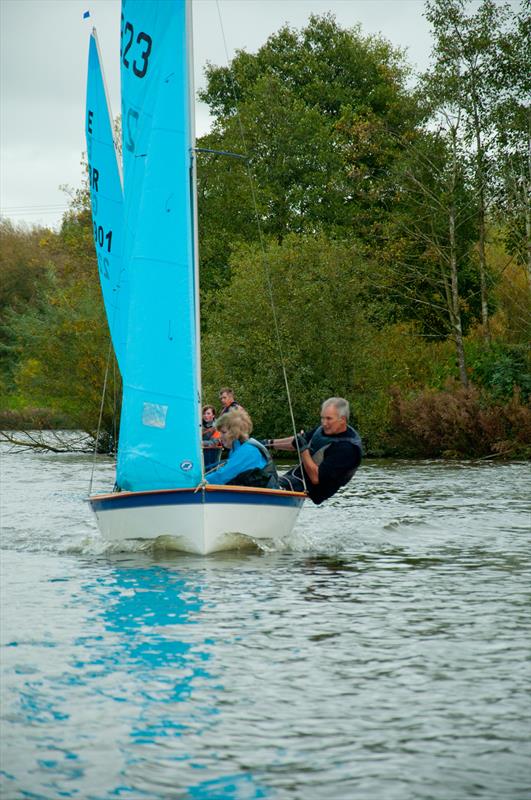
[[146, 244]]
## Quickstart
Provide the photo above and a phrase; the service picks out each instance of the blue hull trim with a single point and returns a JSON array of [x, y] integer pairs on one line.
[[211, 497]]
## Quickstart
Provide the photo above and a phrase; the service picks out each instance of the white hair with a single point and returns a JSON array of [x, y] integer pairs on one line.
[[341, 405]]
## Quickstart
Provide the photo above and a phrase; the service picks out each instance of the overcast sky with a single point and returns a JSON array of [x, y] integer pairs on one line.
[[44, 46]]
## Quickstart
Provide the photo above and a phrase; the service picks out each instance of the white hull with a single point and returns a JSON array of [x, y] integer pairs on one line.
[[209, 520]]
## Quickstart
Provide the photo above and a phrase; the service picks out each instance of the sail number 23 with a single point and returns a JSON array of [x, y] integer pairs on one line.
[[141, 54]]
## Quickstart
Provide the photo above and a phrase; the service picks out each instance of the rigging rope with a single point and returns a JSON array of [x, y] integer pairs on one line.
[[265, 262], [100, 417]]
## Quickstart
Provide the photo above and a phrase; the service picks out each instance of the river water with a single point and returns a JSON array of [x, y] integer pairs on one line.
[[381, 653]]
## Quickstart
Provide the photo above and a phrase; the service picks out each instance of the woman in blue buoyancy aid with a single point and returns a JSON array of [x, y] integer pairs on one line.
[[249, 462]]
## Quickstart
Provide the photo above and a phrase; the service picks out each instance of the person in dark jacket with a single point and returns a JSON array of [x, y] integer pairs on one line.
[[330, 453], [226, 398], [212, 447]]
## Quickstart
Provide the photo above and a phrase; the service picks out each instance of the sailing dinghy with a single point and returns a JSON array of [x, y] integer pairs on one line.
[[146, 243]]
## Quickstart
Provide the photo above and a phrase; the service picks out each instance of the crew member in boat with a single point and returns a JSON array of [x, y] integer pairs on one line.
[[226, 398], [211, 438], [330, 453], [249, 462]]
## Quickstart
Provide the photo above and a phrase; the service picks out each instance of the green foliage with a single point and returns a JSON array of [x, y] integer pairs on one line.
[[512, 322], [23, 263], [328, 346], [512, 123], [63, 346], [415, 255], [373, 226], [468, 44], [387, 357], [501, 368], [326, 66], [16, 415], [25, 258], [321, 114], [314, 284], [58, 343]]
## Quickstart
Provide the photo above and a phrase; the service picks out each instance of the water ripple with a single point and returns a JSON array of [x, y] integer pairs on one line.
[[382, 650]]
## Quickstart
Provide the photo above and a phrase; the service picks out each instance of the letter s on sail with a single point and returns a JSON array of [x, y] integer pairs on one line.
[[131, 123]]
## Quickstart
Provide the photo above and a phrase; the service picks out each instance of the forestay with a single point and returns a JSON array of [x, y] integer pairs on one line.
[[106, 200], [160, 425]]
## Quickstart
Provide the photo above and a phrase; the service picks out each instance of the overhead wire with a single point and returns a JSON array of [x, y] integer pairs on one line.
[[17, 212], [102, 403]]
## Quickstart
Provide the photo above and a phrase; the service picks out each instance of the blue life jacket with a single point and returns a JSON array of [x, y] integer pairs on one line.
[[262, 477]]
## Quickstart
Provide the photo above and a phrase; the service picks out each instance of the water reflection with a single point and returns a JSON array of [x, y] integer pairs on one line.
[[121, 695], [151, 612]]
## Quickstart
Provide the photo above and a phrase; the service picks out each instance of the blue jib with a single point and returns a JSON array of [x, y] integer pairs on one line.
[[159, 444], [106, 200]]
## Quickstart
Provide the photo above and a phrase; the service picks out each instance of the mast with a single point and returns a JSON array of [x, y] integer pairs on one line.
[[193, 192]]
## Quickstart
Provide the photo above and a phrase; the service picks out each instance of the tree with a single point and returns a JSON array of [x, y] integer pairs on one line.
[[431, 259], [63, 347], [315, 284], [320, 115], [463, 80], [327, 346], [25, 258], [512, 122], [58, 341]]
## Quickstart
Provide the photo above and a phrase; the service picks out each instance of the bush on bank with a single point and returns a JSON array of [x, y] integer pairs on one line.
[[459, 422]]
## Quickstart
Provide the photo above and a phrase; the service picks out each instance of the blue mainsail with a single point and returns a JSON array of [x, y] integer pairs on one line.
[[159, 443], [106, 200], [143, 65]]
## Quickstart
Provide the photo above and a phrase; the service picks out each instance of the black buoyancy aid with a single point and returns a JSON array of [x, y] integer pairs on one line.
[[229, 408], [320, 442], [208, 430], [261, 477], [210, 433]]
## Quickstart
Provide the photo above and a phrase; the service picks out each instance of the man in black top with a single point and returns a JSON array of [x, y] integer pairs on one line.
[[330, 453]]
